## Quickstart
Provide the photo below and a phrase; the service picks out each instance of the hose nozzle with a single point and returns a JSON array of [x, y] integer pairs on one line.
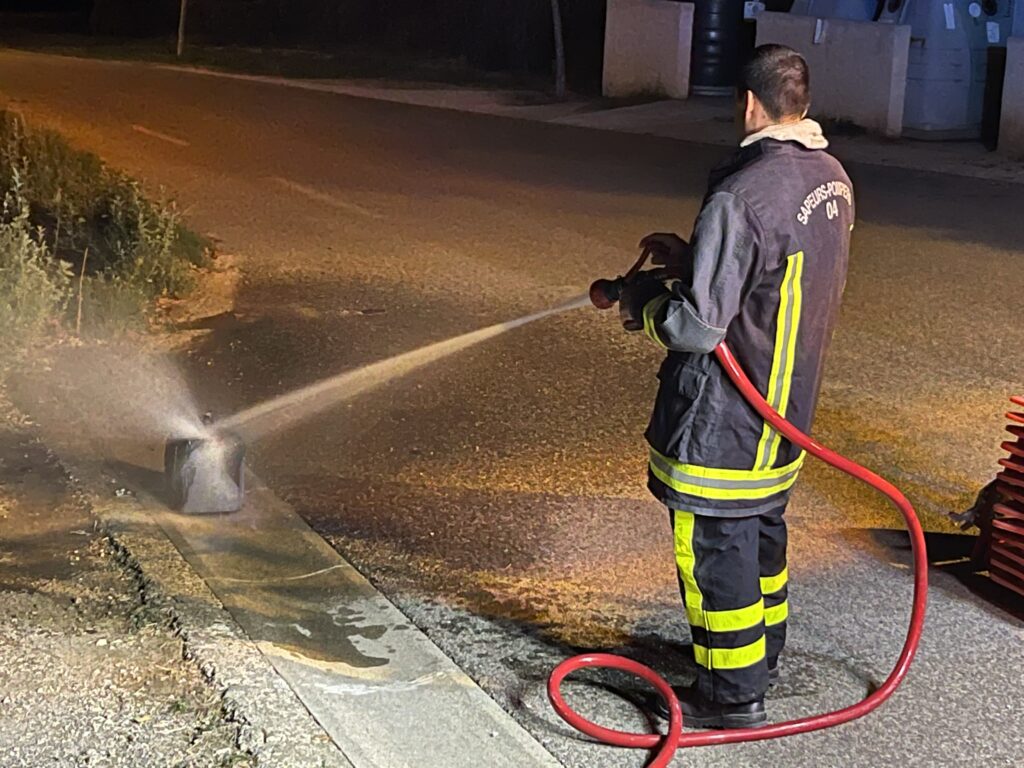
[[604, 294]]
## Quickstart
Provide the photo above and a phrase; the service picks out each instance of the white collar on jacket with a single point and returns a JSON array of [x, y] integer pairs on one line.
[[806, 132]]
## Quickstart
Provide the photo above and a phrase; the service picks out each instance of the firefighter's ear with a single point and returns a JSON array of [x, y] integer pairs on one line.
[[750, 107], [755, 117]]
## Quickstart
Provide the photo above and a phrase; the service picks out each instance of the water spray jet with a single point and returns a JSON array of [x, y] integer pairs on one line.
[[205, 474]]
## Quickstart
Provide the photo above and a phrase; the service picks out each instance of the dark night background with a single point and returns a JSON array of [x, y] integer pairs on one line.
[[500, 35]]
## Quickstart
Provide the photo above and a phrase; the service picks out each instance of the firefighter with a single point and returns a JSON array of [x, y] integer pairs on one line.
[[765, 272]]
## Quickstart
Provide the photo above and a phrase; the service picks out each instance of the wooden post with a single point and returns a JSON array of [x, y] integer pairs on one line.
[[556, 17], [81, 288], [181, 27]]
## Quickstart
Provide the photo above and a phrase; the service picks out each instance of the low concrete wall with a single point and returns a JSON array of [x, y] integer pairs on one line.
[[858, 69], [1011, 125], [647, 48]]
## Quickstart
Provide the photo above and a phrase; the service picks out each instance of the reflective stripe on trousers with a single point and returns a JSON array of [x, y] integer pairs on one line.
[[719, 567]]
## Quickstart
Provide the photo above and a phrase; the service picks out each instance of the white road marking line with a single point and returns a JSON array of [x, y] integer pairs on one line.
[[162, 136], [323, 197]]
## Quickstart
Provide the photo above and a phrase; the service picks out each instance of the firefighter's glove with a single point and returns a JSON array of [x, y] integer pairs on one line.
[[636, 294]]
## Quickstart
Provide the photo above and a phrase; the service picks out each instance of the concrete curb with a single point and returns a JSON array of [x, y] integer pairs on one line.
[[274, 726], [349, 654]]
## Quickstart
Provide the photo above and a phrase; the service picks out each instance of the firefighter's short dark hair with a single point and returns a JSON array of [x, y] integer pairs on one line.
[[780, 79]]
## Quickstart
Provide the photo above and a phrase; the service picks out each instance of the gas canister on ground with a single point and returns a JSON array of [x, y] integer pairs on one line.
[[205, 475]]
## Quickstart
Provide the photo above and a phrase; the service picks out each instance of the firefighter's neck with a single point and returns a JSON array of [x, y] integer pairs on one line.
[[755, 118]]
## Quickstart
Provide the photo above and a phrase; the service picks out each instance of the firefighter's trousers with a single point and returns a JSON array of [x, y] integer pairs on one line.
[[733, 577]]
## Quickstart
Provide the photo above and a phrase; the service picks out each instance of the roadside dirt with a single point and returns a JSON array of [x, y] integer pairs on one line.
[[89, 674]]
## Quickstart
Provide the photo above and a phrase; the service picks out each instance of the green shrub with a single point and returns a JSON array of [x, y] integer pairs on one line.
[[141, 244], [82, 204], [63, 208], [34, 287], [110, 307]]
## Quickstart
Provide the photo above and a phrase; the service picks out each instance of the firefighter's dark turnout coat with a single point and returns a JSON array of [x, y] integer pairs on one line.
[[770, 252]]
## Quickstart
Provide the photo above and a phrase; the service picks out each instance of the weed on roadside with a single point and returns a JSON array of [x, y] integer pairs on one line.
[[35, 287], [82, 247]]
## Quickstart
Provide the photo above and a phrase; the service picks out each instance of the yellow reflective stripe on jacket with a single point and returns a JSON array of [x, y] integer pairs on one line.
[[730, 658], [790, 363], [772, 584], [781, 379], [776, 614], [716, 483], [650, 313]]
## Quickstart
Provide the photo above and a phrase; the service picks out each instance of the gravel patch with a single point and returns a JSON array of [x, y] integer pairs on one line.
[[90, 674]]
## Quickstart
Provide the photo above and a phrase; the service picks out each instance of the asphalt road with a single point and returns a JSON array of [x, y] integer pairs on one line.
[[497, 497]]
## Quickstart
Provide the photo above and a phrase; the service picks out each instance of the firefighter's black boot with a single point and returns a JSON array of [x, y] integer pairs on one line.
[[698, 712]]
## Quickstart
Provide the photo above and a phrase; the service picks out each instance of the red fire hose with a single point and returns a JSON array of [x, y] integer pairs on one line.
[[675, 739]]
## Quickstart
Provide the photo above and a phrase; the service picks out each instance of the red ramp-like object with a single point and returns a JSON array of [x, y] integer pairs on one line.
[[1006, 538]]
